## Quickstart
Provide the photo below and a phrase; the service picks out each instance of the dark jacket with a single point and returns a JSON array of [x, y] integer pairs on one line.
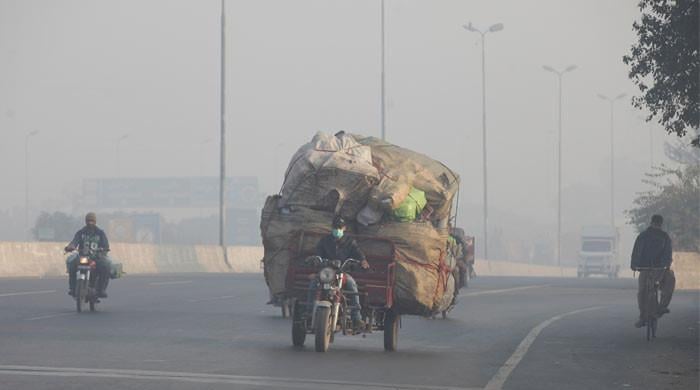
[[652, 249], [90, 238], [345, 248]]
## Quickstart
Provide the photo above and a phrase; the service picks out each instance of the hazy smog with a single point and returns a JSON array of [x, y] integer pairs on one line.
[[85, 74], [128, 93]]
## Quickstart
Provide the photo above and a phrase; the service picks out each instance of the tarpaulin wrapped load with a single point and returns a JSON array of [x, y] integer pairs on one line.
[[341, 175], [333, 173], [278, 227], [411, 207], [439, 182], [424, 284], [390, 193]]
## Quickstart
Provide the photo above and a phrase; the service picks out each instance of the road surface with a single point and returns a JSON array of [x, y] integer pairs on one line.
[[209, 331]]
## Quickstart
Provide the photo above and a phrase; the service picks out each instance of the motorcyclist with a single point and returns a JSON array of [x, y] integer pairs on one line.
[[338, 246], [86, 239], [652, 249]]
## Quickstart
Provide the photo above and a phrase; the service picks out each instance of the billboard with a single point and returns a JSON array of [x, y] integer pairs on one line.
[[193, 192]]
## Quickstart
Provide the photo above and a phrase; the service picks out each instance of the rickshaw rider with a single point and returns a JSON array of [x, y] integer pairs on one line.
[[338, 246]]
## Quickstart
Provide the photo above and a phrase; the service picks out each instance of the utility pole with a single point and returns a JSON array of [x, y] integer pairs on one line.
[[26, 182], [612, 153], [559, 76], [494, 28], [383, 109], [222, 176]]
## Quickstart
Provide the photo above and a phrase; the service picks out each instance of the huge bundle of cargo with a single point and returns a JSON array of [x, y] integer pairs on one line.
[[382, 190]]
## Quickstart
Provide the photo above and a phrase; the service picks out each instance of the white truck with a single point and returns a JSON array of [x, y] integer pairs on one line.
[[598, 255]]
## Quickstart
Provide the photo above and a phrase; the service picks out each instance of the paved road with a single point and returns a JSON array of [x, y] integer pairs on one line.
[[214, 332]]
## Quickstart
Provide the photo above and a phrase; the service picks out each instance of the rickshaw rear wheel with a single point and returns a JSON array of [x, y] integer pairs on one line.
[[391, 330]]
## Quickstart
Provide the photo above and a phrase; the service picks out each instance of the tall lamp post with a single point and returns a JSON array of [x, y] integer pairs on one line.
[[612, 153], [119, 141], [383, 109], [494, 28], [559, 76], [26, 181], [222, 163]]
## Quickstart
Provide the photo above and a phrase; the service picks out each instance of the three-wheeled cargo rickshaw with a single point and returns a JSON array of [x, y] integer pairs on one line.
[[327, 313]]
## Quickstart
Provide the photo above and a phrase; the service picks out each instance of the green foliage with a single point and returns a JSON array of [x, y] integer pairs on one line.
[[665, 64], [676, 196]]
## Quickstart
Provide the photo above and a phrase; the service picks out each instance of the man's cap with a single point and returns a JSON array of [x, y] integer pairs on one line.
[[338, 222]]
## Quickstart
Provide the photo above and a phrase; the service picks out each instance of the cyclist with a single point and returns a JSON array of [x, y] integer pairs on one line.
[[652, 249]]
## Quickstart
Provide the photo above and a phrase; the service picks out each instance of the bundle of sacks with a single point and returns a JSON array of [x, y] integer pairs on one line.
[[384, 191]]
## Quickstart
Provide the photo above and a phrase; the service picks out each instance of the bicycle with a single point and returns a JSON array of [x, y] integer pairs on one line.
[[651, 299]]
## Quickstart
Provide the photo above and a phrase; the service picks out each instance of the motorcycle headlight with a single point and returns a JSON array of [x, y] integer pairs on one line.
[[84, 260], [326, 275]]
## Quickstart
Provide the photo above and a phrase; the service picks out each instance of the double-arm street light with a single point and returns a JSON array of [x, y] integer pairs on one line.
[[26, 181], [559, 74], [494, 28], [612, 153]]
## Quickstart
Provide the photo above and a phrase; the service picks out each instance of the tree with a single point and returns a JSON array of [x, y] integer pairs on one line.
[[665, 64], [677, 200]]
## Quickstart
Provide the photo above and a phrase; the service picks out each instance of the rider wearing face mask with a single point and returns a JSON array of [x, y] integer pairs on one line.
[[338, 246], [88, 238]]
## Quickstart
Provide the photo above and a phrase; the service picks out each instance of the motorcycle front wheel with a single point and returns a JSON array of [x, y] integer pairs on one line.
[[80, 292], [323, 329]]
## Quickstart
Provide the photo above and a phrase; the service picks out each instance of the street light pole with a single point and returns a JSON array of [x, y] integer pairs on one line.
[[26, 181], [383, 108], [222, 176], [559, 76], [119, 140], [612, 153], [494, 28]]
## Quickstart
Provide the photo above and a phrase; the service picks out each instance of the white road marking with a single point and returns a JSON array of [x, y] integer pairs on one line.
[[496, 383], [505, 290], [167, 283], [27, 293], [213, 299], [263, 381], [50, 316]]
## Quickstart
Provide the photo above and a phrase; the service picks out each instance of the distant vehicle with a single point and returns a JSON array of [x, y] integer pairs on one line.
[[598, 255]]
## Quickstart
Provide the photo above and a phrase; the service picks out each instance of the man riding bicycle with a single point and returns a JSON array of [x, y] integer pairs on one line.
[[652, 256]]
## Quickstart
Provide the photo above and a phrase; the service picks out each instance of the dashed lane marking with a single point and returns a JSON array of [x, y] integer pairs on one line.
[[14, 294], [262, 381], [50, 316], [496, 383], [169, 283], [213, 298], [505, 290]]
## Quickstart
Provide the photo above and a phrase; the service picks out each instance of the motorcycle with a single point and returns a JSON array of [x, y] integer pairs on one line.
[[87, 280], [330, 313]]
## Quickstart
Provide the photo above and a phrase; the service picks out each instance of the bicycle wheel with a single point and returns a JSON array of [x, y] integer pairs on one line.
[[649, 298]]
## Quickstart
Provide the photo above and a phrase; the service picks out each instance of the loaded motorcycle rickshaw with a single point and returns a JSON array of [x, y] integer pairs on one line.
[[329, 313]]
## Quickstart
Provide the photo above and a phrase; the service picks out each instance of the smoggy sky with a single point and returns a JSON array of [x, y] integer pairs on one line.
[[85, 73]]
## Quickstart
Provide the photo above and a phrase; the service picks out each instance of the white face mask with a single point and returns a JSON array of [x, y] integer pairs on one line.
[[338, 233]]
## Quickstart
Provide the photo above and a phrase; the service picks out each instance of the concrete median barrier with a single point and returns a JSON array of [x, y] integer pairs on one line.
[[45, 259], [686, 266]]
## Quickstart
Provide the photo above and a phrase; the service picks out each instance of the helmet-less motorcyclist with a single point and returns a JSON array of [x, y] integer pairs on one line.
[[89, 238], [338, 246]]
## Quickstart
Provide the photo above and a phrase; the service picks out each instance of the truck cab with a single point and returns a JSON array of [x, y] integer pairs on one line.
[[598, 255]]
